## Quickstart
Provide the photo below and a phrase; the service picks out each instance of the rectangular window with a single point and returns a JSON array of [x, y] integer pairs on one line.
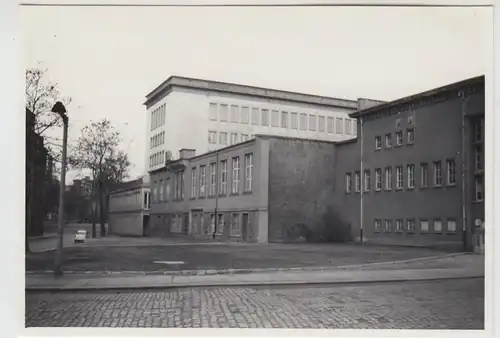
[[284, 119], [275, 118], [411, 135], [330, 125], [357, 181], [388, 178], [321, 124], [478, 158], [294, 121], [438, 226], [424, 226], [354, 127], [378, 225], [451, 172], [211, 223], [410, 225], [424, 175], [193, 182], [248, 172], [220, 225], [203, 173], [212, 137], [235, 225], [223, 112], [347, 126], [235, 114], [213, 175], [388, 225], [312, 122], [388, 140], [235, 188], [367, 181], [244, 137], [160, 199], [378, 142], [223, 138], [410, 168], [478, 131], [212, 110], [303, 121], [438, 179], [223, 178], [479, 188], [245, 112], [234, 138], [399, 177], [348, 182], [264, 117], [378, 179], [255, 116], [452, 225], [399, 138], [399, 225], [338, 125]]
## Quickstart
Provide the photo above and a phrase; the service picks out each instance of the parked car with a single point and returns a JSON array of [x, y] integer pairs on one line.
[[80, 236]]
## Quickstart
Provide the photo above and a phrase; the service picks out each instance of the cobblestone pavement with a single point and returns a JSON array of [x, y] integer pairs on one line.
[[452, 304]]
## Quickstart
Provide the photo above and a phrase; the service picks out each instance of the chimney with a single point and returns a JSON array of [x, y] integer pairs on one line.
[[185, 154]]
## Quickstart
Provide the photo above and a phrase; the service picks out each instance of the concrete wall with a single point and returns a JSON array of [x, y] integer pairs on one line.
[[126, 224], [126, 211]]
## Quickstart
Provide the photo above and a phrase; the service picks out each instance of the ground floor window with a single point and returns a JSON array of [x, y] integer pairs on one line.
[[235, 225], [410, 224], [378, 225], [452, 225], [438, 226], [424, 226], [388, 225], [211, 223], [220, 224], [176, 224], [399, 225]]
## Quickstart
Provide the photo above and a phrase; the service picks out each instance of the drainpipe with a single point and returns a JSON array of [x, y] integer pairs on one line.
[[464, 168], [216, 191], [361, 181]]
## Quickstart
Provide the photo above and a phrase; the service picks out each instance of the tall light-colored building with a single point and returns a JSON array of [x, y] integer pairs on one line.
[[208, 115]]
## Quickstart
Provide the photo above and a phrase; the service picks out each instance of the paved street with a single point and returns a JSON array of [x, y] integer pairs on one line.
[[451, 304]]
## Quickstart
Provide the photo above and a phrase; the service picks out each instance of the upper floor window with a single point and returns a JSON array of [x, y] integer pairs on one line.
[[399, 138], [234, 138], [312, 122], [348, 182], [338, 125], [235, 114], [357, 181], [235, 188], [294, 121], [321, 124], [367, 182], [255, 116], [203, 182], [411, 135], [451, 172], [388, 140], [424, 175], [223, 112], [478, 158], [378, 179], [248, 172], [193, 182], [245, 112], [354, 127], [212, 110], [330, 125], [275, 117], [264, 117], [347, 128], [388, 178], [438, 179], [284, 119], [303, 121], [378, 142], [479, 188], [411, 175], [213, 175], [244, 137], [478, 130], [399, 177], [223, 138], [212, 137], [223, 178]]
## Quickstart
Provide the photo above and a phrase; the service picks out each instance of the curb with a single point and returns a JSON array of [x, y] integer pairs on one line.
[[202, 272]]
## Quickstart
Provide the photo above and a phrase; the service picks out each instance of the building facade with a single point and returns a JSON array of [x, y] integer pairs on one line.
[[209, 115], [129, 207]]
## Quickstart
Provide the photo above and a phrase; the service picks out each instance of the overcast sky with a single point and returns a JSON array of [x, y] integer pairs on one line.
[[109, 58]]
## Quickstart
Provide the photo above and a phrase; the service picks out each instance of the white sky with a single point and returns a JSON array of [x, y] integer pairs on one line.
[[109, 58]]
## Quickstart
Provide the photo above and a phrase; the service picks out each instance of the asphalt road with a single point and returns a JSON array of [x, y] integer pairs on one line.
[[450, 304]]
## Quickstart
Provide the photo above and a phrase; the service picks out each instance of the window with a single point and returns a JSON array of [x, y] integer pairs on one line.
[[275, 117], [223, 138], [424, 175], [452, 225], [479, 188], [388, 225], [338, 124], [294, 121], [213, 175], [438, 226], [378, 179], [245, 112], [284, 119], [410, 168], [438, 179], [388, 140], [321, 124], [424, 226], [223, 112], [347, 126], [330, 125], [378, 142], [173, 224], [235, 187], [264, 114], [303, 121], [223, 178], [235, 114], [235, 225], [348, 182], [220, 225], [367, 181], [357, 181], [203, 172], [399, 177], [399, 138], [378, 225], [410, 225], [248, 172], [255, 116], [399, 225], [211, 223], [354, 127], [244, 137], [212, 137], [451, 171], [478, 157], [212, 111], [193, 183], [146, 200], [160, 199], [478, 131], [411, 135], [388, 178], [179, 185], [234, 138], [312, 122]]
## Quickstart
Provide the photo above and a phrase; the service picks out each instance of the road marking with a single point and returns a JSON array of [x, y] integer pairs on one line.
[[169, 262]]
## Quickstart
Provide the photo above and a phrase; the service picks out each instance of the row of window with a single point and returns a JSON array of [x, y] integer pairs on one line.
[[157, 158], [410, 139], [410, 174], [281, 119], [158, 117], [409, 226], [122, 201], [225, 138], [203, 186], [157, 140], [176, 224]]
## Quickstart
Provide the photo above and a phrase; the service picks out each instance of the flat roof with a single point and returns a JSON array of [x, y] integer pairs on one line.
[[225, 87], [408, 99]]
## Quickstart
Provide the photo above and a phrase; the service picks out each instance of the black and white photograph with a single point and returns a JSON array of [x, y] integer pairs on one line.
[[256, 167]]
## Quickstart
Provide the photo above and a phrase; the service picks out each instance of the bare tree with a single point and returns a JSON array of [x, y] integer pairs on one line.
[[97, 150]]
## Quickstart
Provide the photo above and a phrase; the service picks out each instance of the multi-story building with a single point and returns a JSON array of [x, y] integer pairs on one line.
[[129, 208], [208, 115]]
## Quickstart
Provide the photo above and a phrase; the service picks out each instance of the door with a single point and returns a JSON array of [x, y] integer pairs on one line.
[[145, 225], [244, 227]]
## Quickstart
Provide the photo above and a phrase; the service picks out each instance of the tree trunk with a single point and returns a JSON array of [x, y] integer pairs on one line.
[[101, 210]]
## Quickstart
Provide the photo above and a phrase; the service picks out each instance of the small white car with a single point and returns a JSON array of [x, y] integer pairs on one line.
[[80, 236]]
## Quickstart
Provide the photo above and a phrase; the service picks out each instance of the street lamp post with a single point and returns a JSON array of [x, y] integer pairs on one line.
[[61, 110]]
